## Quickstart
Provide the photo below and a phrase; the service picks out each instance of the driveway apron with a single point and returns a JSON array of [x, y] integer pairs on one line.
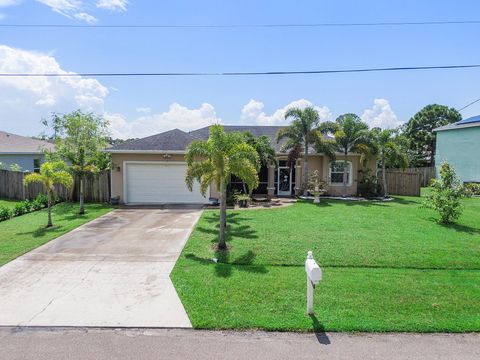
[[111, 272]]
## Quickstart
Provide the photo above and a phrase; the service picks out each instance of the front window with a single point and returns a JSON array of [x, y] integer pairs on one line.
[[36, 165], [336, 172]]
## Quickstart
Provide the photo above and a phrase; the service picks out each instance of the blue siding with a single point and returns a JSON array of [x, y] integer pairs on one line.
[[24, 160]]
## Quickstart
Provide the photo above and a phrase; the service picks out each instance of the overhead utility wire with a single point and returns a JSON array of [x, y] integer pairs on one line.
[[219, 26], [468, 105], [240, 73]]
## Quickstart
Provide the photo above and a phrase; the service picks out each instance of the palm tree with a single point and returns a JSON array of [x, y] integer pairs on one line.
[[265, 151], [351, 135], [388, 151], [301, 133], [215, 160], [51, 175]]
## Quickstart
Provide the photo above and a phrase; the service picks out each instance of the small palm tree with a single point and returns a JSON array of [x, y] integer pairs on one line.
[[263, 146], [351, 135], [215, 160], [388, 151], [51, 175], [301, 133]]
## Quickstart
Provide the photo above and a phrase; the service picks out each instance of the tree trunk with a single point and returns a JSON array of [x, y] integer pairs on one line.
[[244, 187], [305, 170], [384, 179], [49, 206], [223, 216], [344, 190], [82, 207]]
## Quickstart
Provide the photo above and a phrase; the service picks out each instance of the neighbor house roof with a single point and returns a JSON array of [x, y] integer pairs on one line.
[[16, 144], [462, 124], [177, 140]]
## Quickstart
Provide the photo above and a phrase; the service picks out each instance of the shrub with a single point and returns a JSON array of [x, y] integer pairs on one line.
[[446, 195], [21, 208], [473, 188], [5, 213], [15, 167], [368, 186], [42, 199], [36, 205]]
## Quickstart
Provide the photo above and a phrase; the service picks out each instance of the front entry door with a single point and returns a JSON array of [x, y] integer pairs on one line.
[[284, 181]]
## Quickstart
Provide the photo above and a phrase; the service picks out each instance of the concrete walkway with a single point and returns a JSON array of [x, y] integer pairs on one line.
[[84, 344], [113, 271]]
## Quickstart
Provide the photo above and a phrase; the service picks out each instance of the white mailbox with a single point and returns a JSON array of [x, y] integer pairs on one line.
[[314, 276]]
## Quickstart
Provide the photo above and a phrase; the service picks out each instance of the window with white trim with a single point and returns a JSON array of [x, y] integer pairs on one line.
[[336, 172]]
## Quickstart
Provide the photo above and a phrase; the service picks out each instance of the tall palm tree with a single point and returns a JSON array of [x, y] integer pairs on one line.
[[301, 133], [388, 151], [351, 135], [215, 160], [51, 175]]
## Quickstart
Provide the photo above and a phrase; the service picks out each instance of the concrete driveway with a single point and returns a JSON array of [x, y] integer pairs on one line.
[[113, 271]]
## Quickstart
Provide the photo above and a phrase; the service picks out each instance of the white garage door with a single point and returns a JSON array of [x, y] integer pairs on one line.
[[153, 183]]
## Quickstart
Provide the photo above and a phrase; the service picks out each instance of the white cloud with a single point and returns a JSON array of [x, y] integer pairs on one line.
[[77, 9], [144, 110], [381, 115], [31, 98], [177, 116], [85, 17], [252, 113], [114, 5]]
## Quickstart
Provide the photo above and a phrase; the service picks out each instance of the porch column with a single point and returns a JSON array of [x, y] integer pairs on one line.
[[271, 181], [298, 177]]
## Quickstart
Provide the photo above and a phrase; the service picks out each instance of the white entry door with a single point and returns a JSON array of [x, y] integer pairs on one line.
[[284, 185], [159, 183]]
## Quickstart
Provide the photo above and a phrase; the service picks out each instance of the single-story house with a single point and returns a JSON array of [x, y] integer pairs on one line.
[[23, 151], [152, 170], [459, 145]]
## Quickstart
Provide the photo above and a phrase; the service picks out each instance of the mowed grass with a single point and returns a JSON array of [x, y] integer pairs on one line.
[[24, 233], [387, 267], [8, 203]]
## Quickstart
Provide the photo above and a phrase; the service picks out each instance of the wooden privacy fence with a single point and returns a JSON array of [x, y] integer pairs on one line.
[[426, 173], [403, 183], [96, 187]]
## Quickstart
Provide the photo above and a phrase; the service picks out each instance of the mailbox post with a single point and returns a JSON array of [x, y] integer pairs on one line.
[[314, 276]]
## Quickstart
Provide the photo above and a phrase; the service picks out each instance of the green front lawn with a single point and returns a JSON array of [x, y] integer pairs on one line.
[[8, 203], [387, 267], [24, 233]]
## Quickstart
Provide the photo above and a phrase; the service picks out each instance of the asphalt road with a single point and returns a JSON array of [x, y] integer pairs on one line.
[[142, 344]]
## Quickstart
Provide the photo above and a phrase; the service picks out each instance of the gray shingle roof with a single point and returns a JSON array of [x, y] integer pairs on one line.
[[16, 144], [178, 140], [173, 140], [257, 131]]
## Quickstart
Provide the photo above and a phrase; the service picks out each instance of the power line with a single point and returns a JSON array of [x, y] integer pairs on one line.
[[240, 73], [468, 105], [233, 26]]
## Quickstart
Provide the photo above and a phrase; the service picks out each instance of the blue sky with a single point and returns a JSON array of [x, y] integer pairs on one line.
[[142, 106]]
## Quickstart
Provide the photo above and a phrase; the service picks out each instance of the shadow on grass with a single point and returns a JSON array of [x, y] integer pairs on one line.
[[460, 228], [41, 231], [319, 329], [224, 269]]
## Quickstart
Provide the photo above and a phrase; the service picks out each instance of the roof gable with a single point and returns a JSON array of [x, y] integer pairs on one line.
[[16, 144], [173, 140]]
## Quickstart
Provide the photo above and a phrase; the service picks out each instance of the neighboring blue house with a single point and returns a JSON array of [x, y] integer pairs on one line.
[[459, 144], [21, 150]]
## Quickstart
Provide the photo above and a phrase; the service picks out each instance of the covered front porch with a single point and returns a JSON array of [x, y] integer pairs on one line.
[[285, 180]]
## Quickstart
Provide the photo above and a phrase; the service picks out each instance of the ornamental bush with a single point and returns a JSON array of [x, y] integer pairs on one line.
[[5, 213], [21, 208], [446, 195]]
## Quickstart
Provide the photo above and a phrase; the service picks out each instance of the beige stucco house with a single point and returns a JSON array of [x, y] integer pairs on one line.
[[152, 170]]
